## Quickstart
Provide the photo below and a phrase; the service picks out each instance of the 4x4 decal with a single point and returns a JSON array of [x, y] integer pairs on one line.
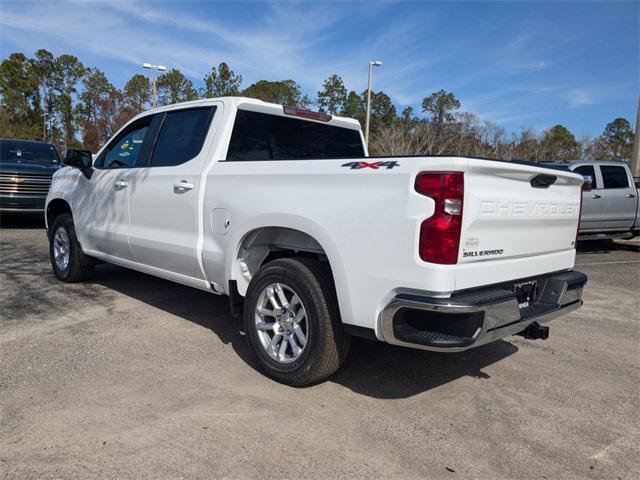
[[373, 165]]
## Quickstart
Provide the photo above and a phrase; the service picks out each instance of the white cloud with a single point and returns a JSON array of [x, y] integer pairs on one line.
[[103, 32], [502, 72], [597, 94], [293, 40], [277, 47], [580, 97]]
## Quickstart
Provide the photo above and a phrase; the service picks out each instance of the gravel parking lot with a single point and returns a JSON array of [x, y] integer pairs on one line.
[[129, 376]]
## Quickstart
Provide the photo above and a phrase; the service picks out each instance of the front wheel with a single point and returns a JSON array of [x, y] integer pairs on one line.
[[68, 261], [292, 322]]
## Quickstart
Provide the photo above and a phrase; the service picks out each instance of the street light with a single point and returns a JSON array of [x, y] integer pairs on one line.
[[373, 63], [154, 69], [635, 152]]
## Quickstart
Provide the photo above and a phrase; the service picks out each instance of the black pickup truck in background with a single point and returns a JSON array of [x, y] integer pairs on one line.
[[26, 168]]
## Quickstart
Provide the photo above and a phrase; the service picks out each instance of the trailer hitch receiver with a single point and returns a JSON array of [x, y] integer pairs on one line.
[[535, 331]]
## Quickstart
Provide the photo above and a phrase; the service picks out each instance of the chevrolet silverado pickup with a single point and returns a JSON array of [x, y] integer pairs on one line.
[[282, 210], [610, 205], [26, 168]]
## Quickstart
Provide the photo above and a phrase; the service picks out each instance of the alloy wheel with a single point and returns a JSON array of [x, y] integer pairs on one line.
[[281, 323]]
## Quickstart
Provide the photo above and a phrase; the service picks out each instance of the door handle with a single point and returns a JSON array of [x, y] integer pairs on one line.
[[630, 195], [121, 184], [183, 186], [595, 195]]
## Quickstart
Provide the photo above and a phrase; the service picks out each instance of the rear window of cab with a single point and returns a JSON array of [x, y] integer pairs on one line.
[[260, 136]]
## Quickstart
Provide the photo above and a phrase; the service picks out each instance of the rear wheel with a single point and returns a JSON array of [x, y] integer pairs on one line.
[[68, 261], [292, 322]]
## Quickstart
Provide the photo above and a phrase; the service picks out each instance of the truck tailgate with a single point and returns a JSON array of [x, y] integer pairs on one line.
[[508, 216]]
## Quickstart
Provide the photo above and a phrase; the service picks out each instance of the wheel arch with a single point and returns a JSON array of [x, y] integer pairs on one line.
[[55, 207], [263, 244]]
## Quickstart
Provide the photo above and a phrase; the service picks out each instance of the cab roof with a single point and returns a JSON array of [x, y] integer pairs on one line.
[[255, 105], [571, 163]]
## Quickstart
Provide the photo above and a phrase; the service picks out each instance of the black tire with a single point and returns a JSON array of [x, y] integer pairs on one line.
[[327, 343], [79, 267]]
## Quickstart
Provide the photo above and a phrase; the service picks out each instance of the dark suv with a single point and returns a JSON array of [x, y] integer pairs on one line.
[[26, 168]]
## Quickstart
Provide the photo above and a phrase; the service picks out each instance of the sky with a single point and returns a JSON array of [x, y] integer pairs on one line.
[[519, 64]]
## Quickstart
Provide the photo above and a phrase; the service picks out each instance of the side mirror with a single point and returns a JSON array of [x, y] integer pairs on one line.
[[77, 158], [587, 186]]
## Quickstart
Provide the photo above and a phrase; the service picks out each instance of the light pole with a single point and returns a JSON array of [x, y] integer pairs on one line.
[[154, 72], [45, 108], [635, 152], [373, 63], [44, 125]]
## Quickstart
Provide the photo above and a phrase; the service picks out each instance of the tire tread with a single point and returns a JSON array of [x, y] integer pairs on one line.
[[334, 342], [80, 266]]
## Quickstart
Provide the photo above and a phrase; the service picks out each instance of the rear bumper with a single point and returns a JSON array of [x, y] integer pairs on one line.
[[478, 316]]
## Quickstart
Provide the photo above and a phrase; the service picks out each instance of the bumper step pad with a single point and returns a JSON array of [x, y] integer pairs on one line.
[[426, 337]]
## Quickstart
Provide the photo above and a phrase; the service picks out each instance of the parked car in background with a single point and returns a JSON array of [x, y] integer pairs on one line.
[[26, 168], [609, 199]]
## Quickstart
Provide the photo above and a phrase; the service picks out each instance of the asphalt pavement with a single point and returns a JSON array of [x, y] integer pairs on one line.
[[130, 376]]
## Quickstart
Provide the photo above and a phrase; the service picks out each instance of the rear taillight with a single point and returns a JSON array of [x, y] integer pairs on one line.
[[440, 233]]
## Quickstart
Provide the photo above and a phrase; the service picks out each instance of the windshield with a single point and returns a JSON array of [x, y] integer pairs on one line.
[[15, 151]]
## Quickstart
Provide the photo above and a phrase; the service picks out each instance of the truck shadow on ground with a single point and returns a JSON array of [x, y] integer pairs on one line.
[[31, 221], [380, 370], [375, 369]]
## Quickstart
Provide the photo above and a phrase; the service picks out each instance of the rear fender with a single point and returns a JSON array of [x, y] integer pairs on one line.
[[297, 234]]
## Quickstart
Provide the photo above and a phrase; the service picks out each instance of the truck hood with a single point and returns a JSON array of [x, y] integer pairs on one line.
[[15, 167]]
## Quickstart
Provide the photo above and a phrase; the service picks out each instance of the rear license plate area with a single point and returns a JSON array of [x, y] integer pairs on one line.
[[526, 293]]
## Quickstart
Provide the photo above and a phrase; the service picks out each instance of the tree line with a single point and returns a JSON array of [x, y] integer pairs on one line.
[[59, 99]]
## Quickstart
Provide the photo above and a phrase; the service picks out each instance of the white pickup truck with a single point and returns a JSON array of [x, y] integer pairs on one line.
[[281, 209]]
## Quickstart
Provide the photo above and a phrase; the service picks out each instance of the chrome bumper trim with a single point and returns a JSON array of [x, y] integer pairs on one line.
[[502, 315]]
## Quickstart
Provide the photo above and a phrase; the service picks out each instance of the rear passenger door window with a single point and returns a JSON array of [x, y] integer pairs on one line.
[[181, 136], [614, 177]]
